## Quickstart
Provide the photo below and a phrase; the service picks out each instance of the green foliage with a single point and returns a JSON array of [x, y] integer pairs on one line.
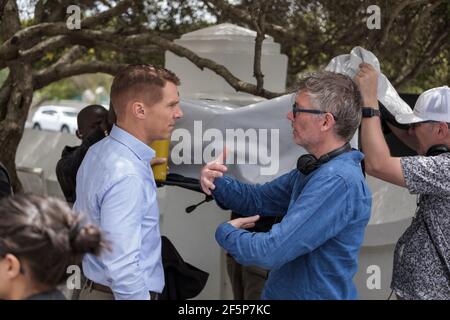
[[64, 89], [436, 75], [412, 44], [72, 88], [313, 33]]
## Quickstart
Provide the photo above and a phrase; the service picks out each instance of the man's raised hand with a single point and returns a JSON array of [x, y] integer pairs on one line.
[[211, 171]]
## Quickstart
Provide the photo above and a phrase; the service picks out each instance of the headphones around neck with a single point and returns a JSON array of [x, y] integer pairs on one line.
[[307, 163], [437, 150]]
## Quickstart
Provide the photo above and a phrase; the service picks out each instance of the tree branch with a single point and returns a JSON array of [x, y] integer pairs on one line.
[[107, 15], [9, 22], [70, 56], [9, 49], [21, 93], [86, 36], [435, 45], [202, 63], [2, 8], [5, 92], [402, 5], [259, 19], [15, 111], [61, 71], [417, 24], [39, 10], [241, 16], [36, 52]]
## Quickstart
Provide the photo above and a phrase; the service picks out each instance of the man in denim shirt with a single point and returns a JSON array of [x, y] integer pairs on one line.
[[117, 190], [325, 203]]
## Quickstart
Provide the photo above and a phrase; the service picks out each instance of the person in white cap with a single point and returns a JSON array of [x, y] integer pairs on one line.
[[422, 254]]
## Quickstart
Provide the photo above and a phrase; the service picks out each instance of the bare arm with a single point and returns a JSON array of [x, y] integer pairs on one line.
[[378, 160]]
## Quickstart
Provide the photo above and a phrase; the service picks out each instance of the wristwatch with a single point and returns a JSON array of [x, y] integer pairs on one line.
[[370, 112]]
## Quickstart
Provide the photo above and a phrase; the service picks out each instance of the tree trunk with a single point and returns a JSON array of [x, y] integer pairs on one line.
[[15, 96], [9, 136], [13, 120]]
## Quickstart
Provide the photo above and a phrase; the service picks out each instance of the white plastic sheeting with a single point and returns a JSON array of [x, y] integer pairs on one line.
[[348, 64], [264, 135]]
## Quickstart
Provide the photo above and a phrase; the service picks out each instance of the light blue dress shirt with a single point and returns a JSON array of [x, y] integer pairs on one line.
[[313, 252], [117, 191]]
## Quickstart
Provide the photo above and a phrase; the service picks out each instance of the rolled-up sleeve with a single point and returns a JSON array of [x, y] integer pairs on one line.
[[269, 199], [320, 212], [121, 222]]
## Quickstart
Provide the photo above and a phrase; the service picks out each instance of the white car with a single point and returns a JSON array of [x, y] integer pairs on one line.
[[56, 118]]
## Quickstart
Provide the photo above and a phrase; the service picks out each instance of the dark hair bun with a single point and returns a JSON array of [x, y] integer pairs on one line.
[[86, 239]]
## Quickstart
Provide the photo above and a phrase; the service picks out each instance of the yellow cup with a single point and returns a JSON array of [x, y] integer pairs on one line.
[[161, 148]]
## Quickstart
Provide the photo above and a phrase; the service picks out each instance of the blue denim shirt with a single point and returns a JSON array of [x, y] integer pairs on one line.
[[313, 252], [117, 191]]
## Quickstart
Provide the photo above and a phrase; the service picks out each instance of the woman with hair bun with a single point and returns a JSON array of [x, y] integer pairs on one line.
[[39, 238]]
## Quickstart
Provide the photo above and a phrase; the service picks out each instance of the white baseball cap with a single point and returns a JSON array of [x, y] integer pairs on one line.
[[433, 104]]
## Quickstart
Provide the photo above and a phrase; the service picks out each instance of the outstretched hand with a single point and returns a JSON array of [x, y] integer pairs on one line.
[[211, 171], [367, 81], [244, 223]]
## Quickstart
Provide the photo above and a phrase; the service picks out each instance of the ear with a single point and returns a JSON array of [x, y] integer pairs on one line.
[[443, 130], [12, 266], [138, 109], [78, 134], [328, 122]]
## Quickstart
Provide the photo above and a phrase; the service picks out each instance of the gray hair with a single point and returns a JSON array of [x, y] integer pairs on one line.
[[338, 94]]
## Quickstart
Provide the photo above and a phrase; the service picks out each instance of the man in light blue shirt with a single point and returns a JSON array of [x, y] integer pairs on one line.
[[117, 191], [325, 203]]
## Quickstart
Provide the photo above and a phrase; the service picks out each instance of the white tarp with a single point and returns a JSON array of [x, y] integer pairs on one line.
[[269, 132], [264, 147], [348, 64], [261, 129], [268, 140]]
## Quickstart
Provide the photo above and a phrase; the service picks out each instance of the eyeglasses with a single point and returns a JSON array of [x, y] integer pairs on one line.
[[296, 109]]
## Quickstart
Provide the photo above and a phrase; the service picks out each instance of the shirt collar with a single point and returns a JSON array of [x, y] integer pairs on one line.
[[354, 154], [140, 149]]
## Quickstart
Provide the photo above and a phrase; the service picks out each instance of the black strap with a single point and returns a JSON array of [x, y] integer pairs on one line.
[[333, 154], [437, 150], [308, 163]]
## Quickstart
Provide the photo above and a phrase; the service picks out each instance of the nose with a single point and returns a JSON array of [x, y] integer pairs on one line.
[[178, 113]]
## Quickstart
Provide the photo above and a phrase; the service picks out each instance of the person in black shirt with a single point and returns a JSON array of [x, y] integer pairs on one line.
[[92, 127]]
